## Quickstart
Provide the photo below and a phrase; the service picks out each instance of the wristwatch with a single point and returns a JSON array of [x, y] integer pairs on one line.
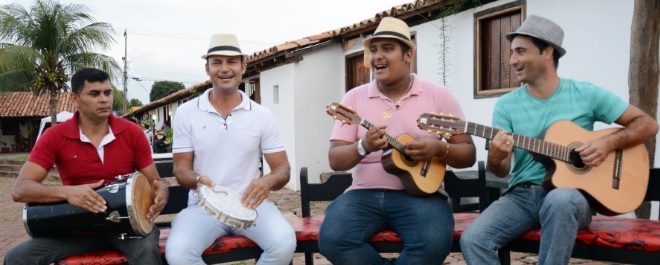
[[361, 150]]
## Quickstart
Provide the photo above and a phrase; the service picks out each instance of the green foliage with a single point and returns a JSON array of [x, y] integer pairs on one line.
[[117, 100], [135, 103], [458, 7], [41, 45], [16, 158], [168, 136], [161, 89]]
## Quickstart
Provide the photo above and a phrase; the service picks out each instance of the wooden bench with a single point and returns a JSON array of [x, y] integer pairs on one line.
[[458, 185], [608, 238], [224, 249], [235, 248]]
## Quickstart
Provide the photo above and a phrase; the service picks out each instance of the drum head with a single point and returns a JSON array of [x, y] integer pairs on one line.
[[141, 199], [228, 202]]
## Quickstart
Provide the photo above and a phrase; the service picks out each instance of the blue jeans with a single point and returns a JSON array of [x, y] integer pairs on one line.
[[424, 223], [559, 213]]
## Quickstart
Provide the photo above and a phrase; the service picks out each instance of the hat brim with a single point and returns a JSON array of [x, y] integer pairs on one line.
[[559, 49], [367, 41], [224, 53]]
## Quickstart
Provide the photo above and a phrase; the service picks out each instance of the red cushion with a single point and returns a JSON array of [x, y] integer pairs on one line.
[[607, 232], [109, 257], [616, 233], [307, 229]]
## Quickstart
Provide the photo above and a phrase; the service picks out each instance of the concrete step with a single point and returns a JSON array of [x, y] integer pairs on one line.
[[8, 174], [11, 162], [7, 167], [10, 168]]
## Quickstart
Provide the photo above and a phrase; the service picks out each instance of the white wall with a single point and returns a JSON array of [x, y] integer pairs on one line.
[[317, 85], [596, 37], [284, 111]]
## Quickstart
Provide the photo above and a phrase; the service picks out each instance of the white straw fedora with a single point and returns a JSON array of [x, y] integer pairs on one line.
[[392, 28], [542, 29], [224, 44]]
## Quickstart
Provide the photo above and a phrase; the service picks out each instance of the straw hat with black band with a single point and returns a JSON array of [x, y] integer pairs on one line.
[[224, 44]]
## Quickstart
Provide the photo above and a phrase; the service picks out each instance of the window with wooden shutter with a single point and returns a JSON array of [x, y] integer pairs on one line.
[[357, 74], [493, 73]]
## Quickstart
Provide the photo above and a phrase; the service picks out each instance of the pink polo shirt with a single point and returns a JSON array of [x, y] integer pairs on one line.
[[79, 162], [370, 104]]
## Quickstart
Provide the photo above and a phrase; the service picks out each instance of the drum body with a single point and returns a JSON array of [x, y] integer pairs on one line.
[[127, 202], [225, 205]]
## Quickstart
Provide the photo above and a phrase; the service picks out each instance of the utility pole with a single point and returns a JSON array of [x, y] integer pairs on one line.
[[125, 73]]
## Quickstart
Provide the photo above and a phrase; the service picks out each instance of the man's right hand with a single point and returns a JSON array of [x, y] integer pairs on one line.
[[84, 196]]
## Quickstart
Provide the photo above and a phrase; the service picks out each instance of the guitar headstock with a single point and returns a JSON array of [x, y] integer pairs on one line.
[[441, 124], [342, 113]]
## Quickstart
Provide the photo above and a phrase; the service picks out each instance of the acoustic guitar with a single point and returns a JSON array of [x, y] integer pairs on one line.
[[616, 186], [419, 179]]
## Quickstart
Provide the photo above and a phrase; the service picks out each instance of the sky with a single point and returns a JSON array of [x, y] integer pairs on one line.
[[165, 38]]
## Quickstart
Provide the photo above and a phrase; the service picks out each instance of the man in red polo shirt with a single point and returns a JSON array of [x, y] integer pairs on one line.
[[89, 151]]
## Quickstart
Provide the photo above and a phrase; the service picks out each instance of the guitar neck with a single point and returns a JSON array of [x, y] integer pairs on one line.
[[535, 145], [390, 140]]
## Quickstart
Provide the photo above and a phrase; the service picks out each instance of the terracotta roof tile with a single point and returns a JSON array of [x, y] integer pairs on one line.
[[25, 104], [401, 11]]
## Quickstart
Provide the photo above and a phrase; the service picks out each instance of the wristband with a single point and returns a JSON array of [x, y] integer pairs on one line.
[[446, 151]]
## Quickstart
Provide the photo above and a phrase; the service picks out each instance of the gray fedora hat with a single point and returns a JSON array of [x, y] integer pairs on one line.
[[224, 44], [542, 29]]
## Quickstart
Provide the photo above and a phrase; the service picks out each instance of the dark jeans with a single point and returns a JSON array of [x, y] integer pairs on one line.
[[160, 146], [425, 224], [48, 250]]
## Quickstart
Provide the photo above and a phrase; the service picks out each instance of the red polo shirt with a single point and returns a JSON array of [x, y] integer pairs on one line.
[[79, 162]]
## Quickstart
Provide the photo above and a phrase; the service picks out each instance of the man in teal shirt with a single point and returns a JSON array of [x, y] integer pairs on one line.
[[544, 99]]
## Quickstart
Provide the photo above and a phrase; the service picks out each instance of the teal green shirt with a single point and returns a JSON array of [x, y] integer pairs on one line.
[[521, 113]]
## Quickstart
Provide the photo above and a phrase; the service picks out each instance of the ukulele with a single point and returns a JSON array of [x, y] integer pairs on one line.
[[419, 179]]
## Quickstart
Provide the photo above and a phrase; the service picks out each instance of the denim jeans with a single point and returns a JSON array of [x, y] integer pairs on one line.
[[44, 250], [424, 223], [559, 213], [194, 230]]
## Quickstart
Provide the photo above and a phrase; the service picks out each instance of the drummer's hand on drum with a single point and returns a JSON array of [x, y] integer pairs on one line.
[[160, 198], [85, 197], [256, 193]]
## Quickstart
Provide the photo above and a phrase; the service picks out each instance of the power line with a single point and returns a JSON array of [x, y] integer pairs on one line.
[[188, 37]]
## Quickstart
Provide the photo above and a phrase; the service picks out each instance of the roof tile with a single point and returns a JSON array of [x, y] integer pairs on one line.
[[25, 104]]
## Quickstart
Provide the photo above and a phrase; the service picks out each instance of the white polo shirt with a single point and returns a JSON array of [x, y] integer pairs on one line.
[[227, 150]]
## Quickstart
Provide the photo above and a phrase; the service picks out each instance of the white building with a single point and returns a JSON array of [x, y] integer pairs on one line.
[[297, 79]]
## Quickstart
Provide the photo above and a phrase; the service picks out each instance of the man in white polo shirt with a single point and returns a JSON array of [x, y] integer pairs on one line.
[[218, 140]]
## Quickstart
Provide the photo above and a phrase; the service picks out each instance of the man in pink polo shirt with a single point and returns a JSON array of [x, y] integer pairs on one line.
[[377, 200], [89, 150]]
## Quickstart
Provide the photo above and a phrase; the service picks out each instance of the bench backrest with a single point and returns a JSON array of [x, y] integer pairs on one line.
[[653, 190], [178, 199], [337, 183]]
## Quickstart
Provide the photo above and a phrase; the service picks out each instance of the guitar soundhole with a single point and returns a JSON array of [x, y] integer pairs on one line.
[[408, 160], [576, 161]]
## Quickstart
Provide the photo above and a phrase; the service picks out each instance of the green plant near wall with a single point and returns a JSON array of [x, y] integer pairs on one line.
[[168, 136]]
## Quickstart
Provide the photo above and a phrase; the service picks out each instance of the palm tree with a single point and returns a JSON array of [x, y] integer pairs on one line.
[[40, 46], [118, 101]]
